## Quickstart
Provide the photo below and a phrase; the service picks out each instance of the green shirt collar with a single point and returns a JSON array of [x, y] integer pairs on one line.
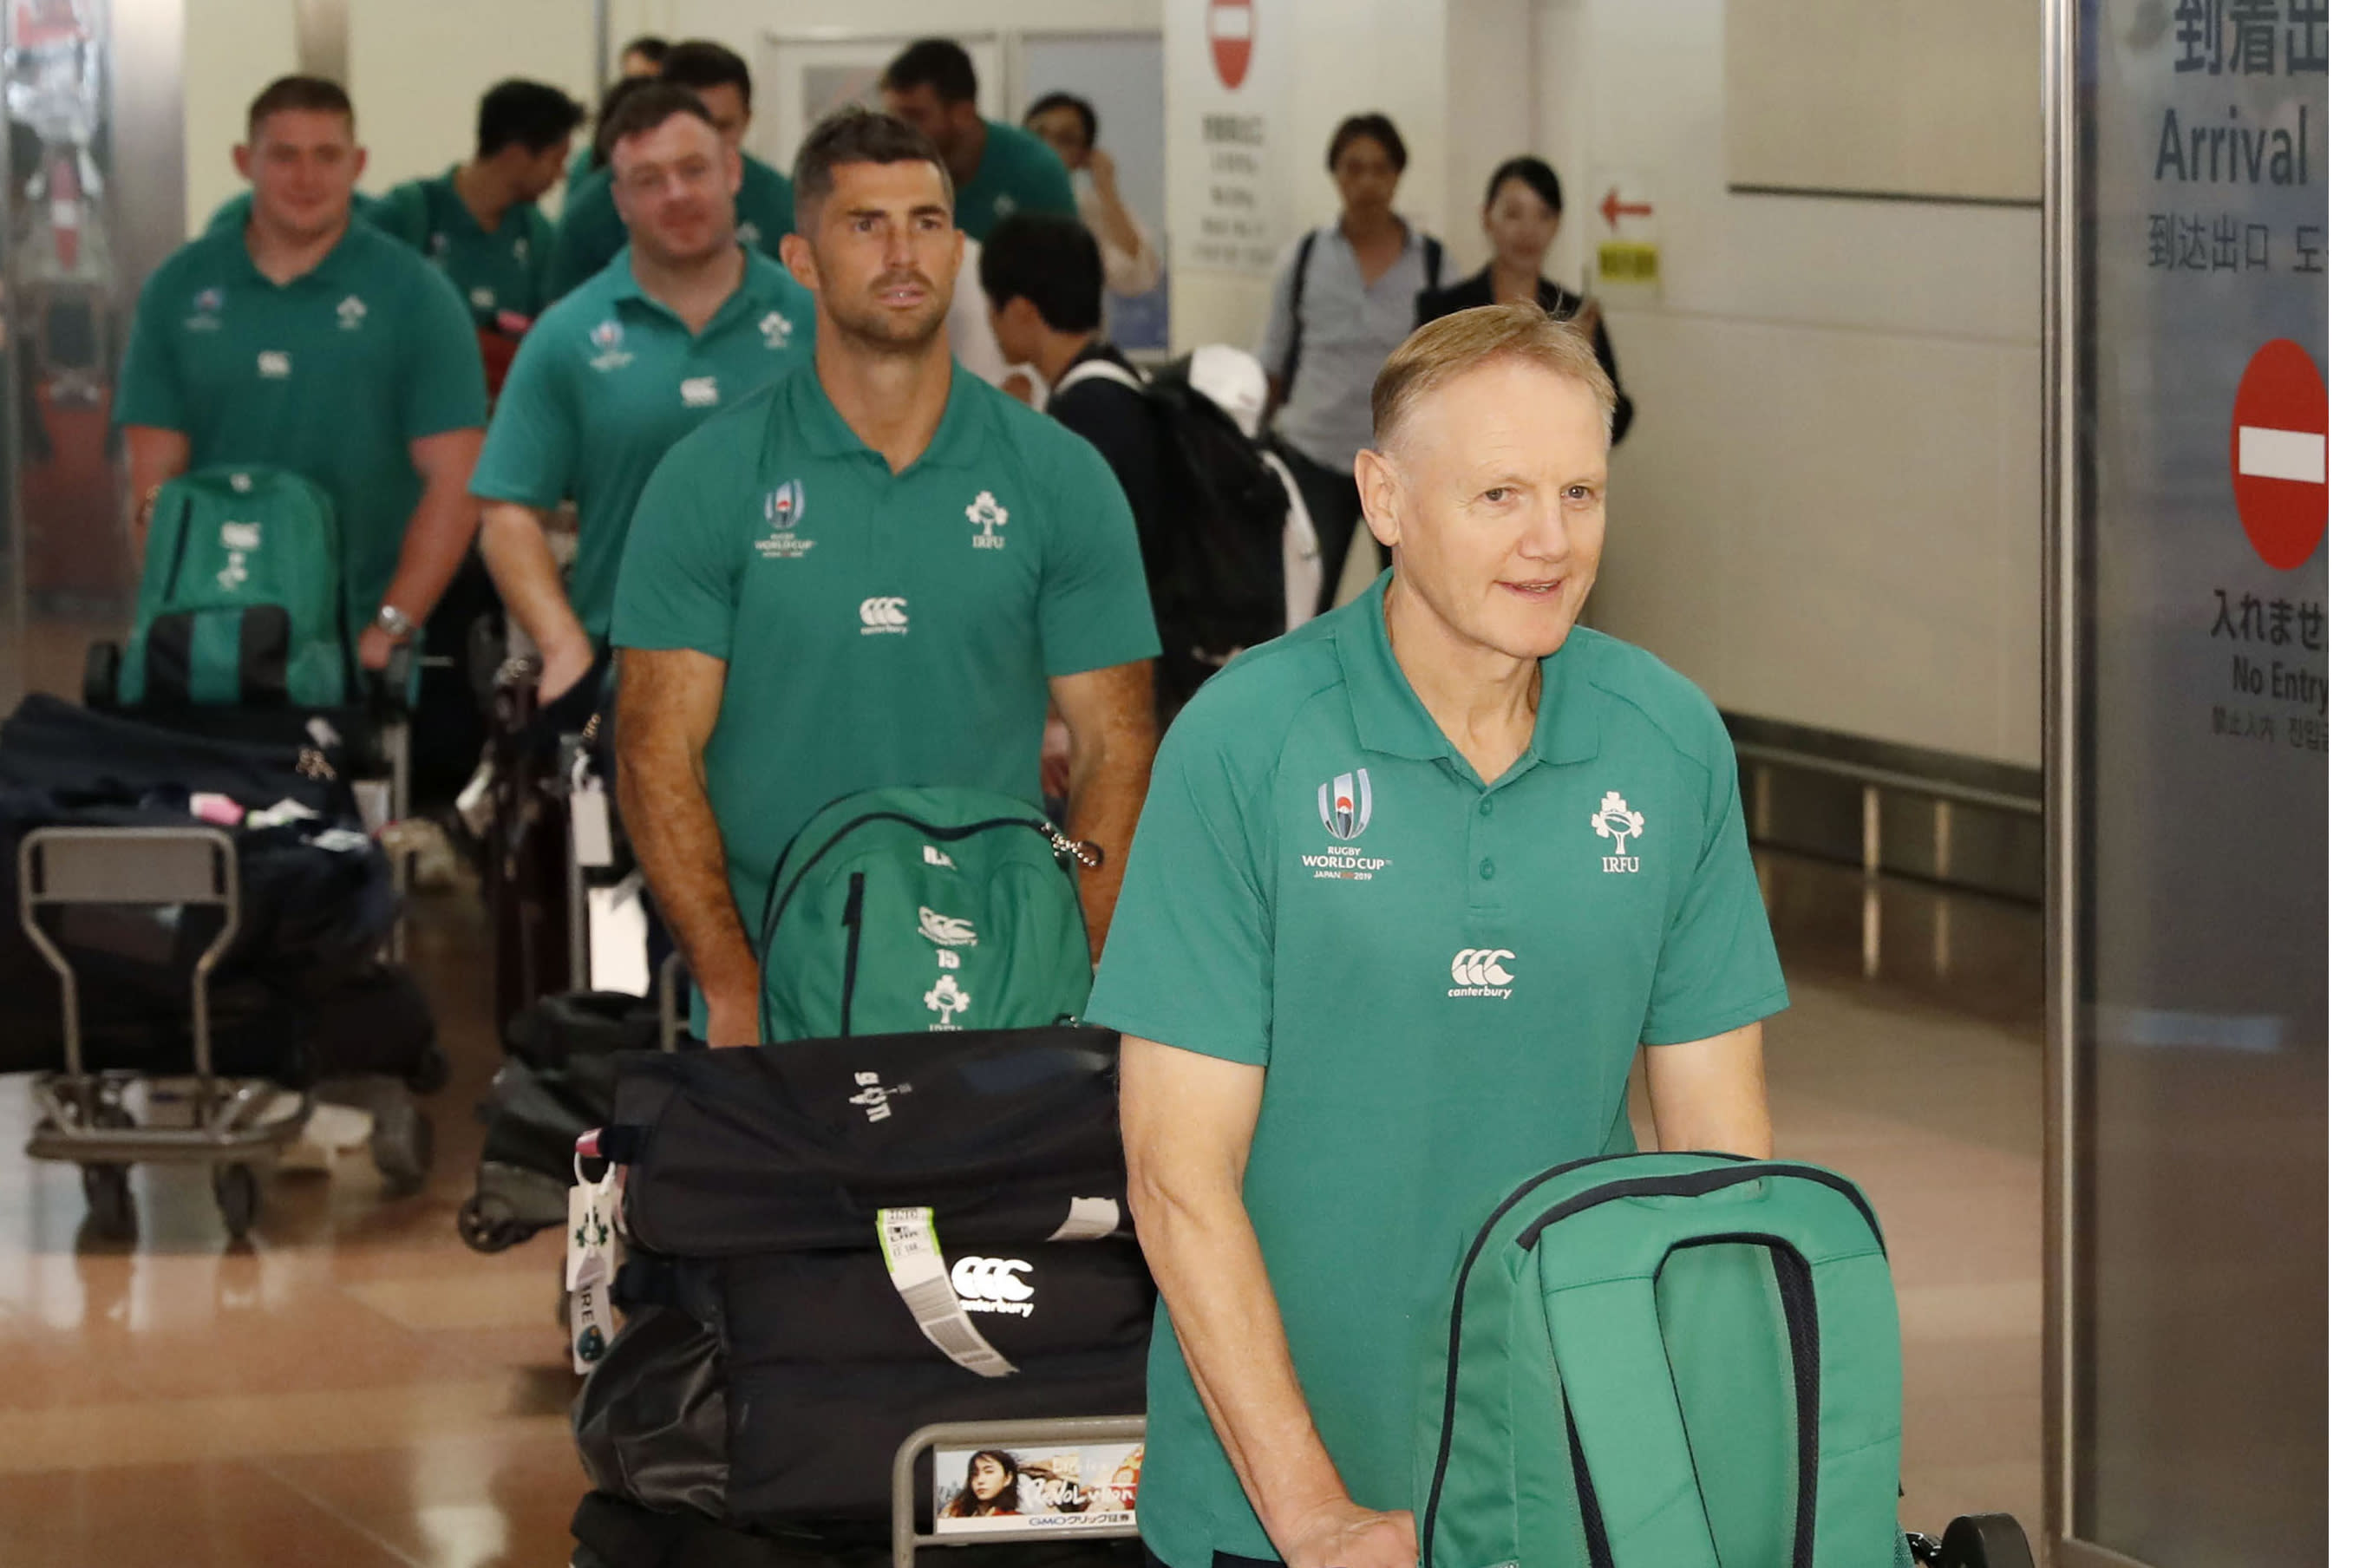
[[333, 267], [820, 426], [1389, 716], [621, 284]]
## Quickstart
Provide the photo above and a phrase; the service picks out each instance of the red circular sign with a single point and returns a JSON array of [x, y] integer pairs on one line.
[[2279, 454], [1233, 23]]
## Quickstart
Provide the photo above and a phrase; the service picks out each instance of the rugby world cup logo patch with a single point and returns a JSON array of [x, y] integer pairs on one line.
[[1346, 804]]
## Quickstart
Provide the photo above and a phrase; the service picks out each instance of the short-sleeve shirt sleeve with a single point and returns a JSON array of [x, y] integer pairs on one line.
[[1049, 189], [680, 566], [444, 389], [1095, 609], [1717, 968], [533, 452], [151, 392], [1190, 959]]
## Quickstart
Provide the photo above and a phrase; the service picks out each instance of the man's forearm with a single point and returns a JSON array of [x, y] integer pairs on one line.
[[666, 811], [441, 532], [1206, 1257], [1109, 775], [514, 547]]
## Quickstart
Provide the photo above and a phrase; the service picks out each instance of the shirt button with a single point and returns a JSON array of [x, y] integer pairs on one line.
[[1486, 808], [1487, 871]]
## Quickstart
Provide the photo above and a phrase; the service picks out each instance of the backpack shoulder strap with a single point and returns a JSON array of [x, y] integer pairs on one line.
[[1290, 371], [1098, 370], [1600, 1262]]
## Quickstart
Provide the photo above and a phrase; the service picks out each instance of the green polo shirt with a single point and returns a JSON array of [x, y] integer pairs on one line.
[[331, 376], [607, 381], [502, 269], [591, 228], [1017, 172], [1444, 980], [879, 628]]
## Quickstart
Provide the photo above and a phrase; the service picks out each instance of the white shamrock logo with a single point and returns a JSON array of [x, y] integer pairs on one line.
[[1617, 820], [948, 999], [986, 515]]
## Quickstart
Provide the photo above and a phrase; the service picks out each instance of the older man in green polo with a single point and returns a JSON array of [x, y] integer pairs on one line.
[[1414, 888]]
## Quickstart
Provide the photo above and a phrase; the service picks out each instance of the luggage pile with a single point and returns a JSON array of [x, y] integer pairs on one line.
[[205, 923], [835, 1241]]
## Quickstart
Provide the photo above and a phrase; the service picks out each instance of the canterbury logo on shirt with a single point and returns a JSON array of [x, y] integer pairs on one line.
[[1480, 972], [883, 617], [698, 392]]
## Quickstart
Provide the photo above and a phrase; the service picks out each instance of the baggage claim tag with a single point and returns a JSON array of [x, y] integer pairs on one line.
[[588, 1264], [910, 1250], [592, 817]]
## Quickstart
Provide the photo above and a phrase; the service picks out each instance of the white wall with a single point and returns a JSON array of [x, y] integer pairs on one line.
[[1828, 511], [1455, 77], [419, 67], [235, 48]]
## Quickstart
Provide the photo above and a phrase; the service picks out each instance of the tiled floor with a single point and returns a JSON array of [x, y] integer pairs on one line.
[[357, 1388]]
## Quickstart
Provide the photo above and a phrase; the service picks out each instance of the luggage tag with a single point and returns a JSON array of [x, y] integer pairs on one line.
[[592, 816], [589, 1250], [910, 1250]]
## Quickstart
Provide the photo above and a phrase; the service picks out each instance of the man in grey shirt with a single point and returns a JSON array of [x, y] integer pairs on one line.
[[1342, 304]]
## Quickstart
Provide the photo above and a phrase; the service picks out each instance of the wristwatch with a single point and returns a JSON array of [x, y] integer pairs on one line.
[[393, 624]]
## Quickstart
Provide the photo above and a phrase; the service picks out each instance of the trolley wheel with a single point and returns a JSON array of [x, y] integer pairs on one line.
[[1985, 1541], [486, 1225], [239, 1194], [107, 1190], [402, 1145], [431, 1076]]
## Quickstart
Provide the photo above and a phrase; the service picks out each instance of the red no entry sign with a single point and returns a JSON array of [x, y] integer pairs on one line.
[[2279, 454], [1232, 25]]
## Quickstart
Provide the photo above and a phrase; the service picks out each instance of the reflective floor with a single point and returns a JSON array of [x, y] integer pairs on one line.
[[355, 1387]]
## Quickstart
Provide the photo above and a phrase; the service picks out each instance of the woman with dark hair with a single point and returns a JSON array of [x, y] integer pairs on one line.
[[1066, 123], [1522, 217], [1343, 302], [991, 1485]]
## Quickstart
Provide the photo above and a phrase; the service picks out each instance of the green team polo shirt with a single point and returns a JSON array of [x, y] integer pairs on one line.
[[591, 228], [331, 376], [1017, 172], [504, 269], [879, 628], [1444, 980], [607, 381]]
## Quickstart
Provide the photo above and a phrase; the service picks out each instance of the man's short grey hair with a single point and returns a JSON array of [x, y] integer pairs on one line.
[[856, 135], [1450, 345]]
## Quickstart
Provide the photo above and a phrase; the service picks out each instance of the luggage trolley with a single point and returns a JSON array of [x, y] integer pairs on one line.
[[89, 1118]]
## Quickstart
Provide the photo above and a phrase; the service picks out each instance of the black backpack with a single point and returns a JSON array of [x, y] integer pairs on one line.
[[1216, 573]]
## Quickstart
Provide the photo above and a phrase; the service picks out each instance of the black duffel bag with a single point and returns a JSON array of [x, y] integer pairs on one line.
[[1010, 1136], [674, 1418]]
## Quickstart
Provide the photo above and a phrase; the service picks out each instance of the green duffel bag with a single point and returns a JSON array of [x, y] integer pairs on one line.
[[1668, 1361], [241, 600], [898, 910]]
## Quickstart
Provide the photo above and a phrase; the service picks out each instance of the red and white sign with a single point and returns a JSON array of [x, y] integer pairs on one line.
[[2279, 454], [1233, 26]]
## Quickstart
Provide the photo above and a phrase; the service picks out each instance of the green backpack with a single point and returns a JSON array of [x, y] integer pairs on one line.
[[1669, 1361], [241, 603], [898, 910]]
